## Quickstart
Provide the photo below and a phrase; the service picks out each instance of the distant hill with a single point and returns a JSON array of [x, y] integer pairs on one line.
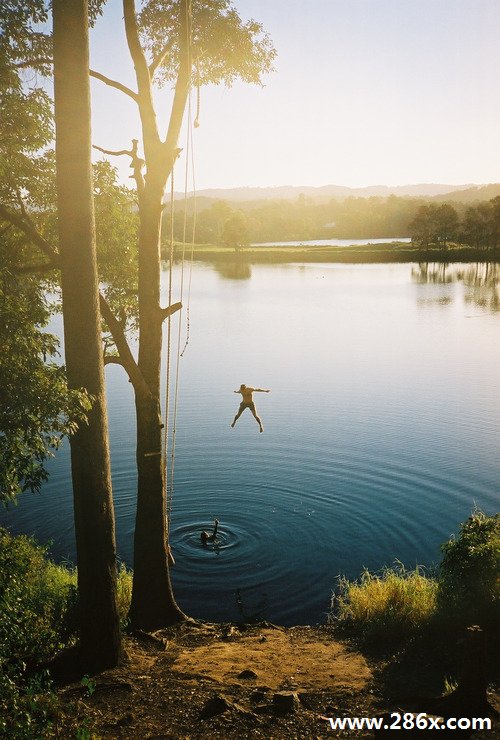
[[471, 194], [327, 192]]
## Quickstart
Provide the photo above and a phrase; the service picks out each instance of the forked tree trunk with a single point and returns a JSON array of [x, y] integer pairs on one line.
[[94, 517], [153, 604]]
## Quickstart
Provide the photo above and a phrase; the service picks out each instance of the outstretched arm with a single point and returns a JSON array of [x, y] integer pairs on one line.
[[262, 390]]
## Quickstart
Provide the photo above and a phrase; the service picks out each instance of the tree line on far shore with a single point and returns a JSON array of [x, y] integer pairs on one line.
[[479, 226], [426, 221]]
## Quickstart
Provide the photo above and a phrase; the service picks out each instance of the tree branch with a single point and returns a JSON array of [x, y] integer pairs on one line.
[[183, 80], [114, 83], [113, 152], [112, 360], [28, 63], [158, 59], [136, 165], [166, 312], [42, 267], [126, 358], [144, 91], [24, 223]]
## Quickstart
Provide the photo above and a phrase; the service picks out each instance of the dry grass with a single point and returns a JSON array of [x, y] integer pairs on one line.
[[394, 602]]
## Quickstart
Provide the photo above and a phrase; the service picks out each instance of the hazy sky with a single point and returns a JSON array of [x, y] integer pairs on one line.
[[365, 92]]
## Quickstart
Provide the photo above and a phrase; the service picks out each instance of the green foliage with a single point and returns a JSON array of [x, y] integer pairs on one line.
[[224, 48], [25, 108], [88, 684], [434, 224], [481, 224], [394, 604], [84, 732], [235, 232], [28, 707], [469, 575], [36, 598], [38, 617], [117, 225], [22, 38], [36, 407]]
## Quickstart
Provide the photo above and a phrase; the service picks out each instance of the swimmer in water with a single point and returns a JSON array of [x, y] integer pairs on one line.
[[205, 537], [247, 403]]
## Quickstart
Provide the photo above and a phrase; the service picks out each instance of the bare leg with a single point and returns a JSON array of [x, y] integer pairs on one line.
[[261, 428], [237, 417]]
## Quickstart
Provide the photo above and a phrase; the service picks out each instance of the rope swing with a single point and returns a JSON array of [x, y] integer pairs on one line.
[[169, 457]]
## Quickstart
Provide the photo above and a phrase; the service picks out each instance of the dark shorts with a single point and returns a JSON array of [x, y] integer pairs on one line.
[[247, 405]]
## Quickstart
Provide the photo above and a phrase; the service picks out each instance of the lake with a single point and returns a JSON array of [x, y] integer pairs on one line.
[[382, 432]]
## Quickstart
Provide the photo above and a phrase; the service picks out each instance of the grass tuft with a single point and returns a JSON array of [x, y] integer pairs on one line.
[[395, 602]]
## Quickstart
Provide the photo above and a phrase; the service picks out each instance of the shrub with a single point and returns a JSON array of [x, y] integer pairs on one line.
[[38, 617], [469, 575], [35, 596]]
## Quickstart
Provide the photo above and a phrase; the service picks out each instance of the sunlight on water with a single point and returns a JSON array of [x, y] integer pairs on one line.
[[381, 432]]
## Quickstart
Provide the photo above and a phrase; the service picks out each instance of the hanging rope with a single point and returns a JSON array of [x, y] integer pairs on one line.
[[198, 85], [193, 237], [170, 468], [167, 366]]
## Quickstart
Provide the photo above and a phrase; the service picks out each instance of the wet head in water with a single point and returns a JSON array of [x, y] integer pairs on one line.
[[205, 537]]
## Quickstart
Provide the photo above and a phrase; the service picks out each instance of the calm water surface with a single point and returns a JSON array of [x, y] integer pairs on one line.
[[381, 432]]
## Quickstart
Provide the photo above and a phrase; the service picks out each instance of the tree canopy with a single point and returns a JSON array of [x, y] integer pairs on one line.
[[223, 47]]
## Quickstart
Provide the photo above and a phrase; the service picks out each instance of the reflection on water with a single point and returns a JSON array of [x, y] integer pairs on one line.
[[480, 279], [239, 269], [382, 431]]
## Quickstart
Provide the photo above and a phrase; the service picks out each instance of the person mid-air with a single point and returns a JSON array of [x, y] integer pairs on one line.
[[247, 403]]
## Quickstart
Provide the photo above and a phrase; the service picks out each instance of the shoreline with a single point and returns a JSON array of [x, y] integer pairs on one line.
[[369, 254]]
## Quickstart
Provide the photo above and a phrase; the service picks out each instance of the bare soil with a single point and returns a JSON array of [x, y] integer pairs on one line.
[[235, 681]]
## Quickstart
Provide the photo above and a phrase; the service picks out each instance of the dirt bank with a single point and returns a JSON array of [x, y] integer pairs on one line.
[[229, 681]]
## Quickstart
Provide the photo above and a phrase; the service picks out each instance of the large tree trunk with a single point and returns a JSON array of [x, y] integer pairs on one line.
[[153, 604], [94, 518]]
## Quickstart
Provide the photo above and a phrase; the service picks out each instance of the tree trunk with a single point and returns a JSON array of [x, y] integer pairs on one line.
[[93, 504], [153, 604]]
